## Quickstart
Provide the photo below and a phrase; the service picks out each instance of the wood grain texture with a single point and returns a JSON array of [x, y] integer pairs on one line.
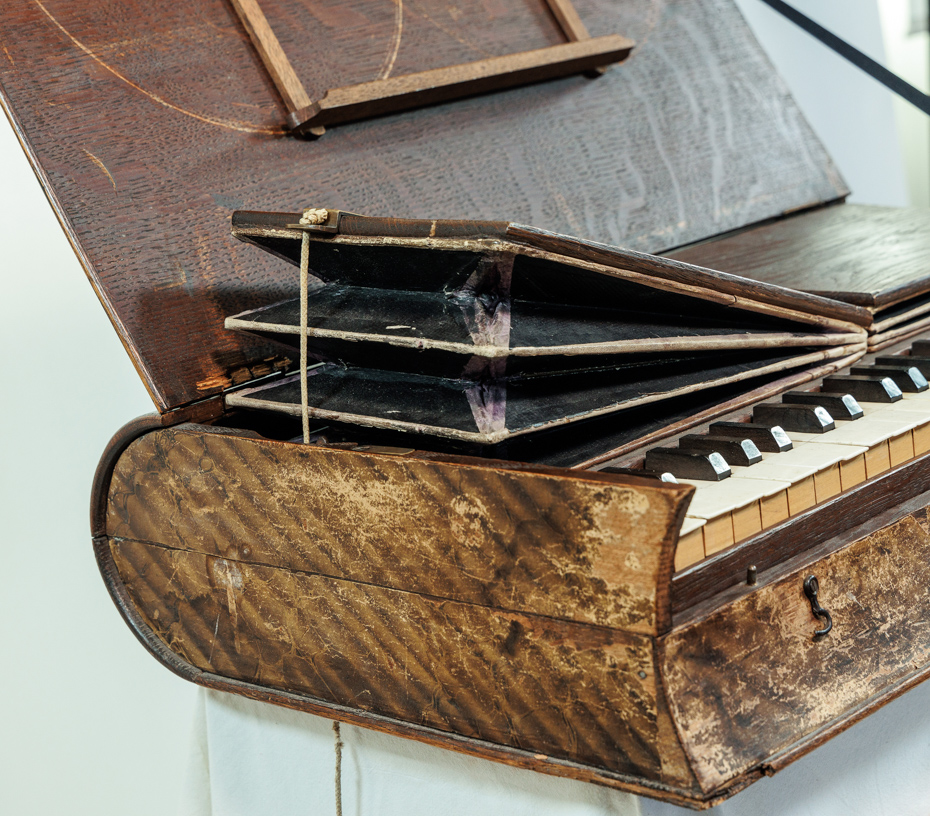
[[883, 339], [685, 794], [145, 194], [568, 19], [272, 55], [870, 256], [576, 692], [400, 93], [729, 284], [739, 683], [567, 544], [749, 680]]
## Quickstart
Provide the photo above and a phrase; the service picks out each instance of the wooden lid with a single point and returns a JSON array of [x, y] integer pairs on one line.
[[149, 123], [874, 257]]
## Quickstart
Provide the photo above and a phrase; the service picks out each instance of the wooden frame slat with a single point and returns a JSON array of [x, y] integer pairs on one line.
[[581, 54]]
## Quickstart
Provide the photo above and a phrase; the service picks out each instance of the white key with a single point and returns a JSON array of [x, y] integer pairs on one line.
[[818, 454], [713, 499]]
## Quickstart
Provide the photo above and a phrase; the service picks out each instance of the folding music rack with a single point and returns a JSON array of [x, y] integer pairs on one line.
[[582, 53]]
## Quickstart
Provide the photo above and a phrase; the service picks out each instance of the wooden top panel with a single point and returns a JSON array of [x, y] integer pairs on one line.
[[870, 256], [149, 123]]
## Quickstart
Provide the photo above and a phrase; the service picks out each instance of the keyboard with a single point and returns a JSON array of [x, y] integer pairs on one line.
[[785, 456]]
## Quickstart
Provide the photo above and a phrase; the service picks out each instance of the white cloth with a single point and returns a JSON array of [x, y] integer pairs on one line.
[[249, 758]]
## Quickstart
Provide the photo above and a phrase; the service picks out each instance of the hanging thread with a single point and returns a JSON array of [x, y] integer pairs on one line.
[[304, 285], [338, 768]]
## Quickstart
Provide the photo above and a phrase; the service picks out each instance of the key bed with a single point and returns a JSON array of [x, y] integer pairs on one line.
[[806, 456]]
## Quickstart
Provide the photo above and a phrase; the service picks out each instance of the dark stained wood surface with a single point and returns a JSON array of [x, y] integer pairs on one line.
[[749, 680], [569, 21], [271, 54], [385, 96], [576, 545], [870, 256], [194, 129], [730, 287]]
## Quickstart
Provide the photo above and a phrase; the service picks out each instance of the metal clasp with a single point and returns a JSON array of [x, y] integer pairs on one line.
[[811, 587]]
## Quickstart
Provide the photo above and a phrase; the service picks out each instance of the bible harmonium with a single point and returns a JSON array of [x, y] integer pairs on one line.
[[645, 507]]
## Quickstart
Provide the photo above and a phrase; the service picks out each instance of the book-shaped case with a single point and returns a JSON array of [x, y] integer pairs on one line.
[[483, 331]]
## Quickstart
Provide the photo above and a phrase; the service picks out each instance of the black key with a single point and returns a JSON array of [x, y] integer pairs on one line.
[[794, 417], [864, 389], [840, 406], [909, 380], [641, 473], [768, 438], [736, 451], [711, 467], [921, 348], [922, 364]]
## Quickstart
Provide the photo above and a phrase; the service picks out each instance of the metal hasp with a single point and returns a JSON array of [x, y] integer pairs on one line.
[[811, 587]]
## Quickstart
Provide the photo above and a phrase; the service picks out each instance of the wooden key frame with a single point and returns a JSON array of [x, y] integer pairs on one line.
[[306, 117]]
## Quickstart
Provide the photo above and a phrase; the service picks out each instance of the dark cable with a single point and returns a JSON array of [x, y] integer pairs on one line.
[[865, 63]]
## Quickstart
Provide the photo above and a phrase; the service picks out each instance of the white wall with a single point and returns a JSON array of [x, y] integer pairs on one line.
[[89, 722], [908, 57], [850, 111]]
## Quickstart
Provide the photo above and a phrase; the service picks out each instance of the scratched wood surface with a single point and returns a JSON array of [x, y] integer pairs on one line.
[[568, 544], [576, 692], [866, 255], [749, 681], [675, 145]]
